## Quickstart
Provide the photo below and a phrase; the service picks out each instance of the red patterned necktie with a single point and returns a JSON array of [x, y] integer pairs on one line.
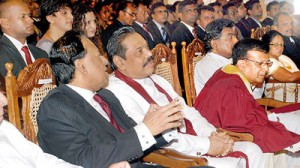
[[194, 32], [147, 30], [107, 110], [27, 55]]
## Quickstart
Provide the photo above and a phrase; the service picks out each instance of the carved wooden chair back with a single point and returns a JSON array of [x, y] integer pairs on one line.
[[191, 54], [31, 86], [259, 32], [165, 61]]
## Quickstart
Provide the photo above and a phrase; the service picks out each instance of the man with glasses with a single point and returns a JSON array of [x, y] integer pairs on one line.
[[226, 100], [126, 15], [157, 28], [283, 23]]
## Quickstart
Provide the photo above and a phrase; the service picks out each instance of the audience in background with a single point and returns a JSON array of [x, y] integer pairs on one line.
[[16, 25], [272, 10], [58, 16], [283, 70], [218, 12], [283, 23], [157, 27]]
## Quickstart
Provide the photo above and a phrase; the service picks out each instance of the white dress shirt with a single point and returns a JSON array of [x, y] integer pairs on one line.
[[145, 137], [19, 46], [17, 152], [136, 107]]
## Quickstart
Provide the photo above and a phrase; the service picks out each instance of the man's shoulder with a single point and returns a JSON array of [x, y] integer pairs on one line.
[[37, 52]]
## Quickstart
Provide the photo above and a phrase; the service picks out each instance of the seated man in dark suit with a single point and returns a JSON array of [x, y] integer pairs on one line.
[[272, 10], [126, 15], [142, 16], [160, 33], [283, 23], [16, 25], [91, 129], [254, 11], [205, 16]]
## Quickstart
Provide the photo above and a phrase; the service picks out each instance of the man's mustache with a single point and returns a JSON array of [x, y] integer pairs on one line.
[[148, 61]]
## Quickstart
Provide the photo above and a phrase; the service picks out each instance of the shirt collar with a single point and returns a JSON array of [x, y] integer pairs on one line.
[[221, 58], [85, 93], [16, 42], [188, 26]]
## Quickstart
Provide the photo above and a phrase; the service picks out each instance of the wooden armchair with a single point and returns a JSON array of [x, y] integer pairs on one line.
[[165, 61], [191, 54], [170, 158], [32, 85]]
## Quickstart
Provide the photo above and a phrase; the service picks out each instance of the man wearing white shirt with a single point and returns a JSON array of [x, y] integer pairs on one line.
[[90, 128], [16, 25], [219, 44], [136, 88]]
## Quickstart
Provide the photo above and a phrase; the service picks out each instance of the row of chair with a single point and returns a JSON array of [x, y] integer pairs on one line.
[[36, 80]]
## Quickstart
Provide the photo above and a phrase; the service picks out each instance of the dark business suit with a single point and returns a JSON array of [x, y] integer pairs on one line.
[[9, 53], [291, 49], [252, 23], [267, 22], [180, 34], [156, 33], [200, 33], [71, 129], [109, 31], [244, 28], [144, 34]]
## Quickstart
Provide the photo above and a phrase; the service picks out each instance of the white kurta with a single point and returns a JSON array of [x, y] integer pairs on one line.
[[136, 107], [17, 151]]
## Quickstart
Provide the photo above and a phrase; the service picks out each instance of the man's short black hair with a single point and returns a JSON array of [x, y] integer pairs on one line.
[[65, 51], [204, 8], [241, 48], [250, 3], [226, 7], [271, 4], [184, 4]]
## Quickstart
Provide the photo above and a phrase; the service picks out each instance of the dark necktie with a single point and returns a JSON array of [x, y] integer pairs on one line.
[[147, 30], [27, 55], [107, 110], [194, 33], [164, 34]]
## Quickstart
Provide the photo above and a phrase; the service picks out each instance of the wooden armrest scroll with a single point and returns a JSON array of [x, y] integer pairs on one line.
[[170, 158]]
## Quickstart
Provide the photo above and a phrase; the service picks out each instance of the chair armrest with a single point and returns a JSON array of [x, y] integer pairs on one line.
[[171, 158]]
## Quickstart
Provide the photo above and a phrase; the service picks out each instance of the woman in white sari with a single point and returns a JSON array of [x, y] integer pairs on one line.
[[284, 74]]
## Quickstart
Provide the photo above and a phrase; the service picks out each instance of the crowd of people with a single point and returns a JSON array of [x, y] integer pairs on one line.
[[110, 110]]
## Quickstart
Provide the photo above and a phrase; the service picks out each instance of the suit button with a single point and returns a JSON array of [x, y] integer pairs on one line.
[[198, 153]]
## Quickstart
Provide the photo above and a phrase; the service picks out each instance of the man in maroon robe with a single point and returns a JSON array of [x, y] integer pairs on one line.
[[226, 99]]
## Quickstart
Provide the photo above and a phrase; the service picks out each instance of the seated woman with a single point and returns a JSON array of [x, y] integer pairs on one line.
[[85, 22], [284, 74], [58, 15]]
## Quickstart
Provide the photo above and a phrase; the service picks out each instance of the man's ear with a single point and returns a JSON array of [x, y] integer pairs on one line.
[[4, 23], [119, 62], [241, 64], [80, 66]]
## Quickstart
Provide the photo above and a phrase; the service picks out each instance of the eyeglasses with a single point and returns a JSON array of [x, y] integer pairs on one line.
[[263, 63], [277, 45], [131, 14]]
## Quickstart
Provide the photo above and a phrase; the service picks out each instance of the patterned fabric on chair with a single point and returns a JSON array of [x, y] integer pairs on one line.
[[32, 85]]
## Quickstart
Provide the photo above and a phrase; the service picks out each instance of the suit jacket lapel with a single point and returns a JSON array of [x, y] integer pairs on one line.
[[11, 47], [95, 116], [118, 112]]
